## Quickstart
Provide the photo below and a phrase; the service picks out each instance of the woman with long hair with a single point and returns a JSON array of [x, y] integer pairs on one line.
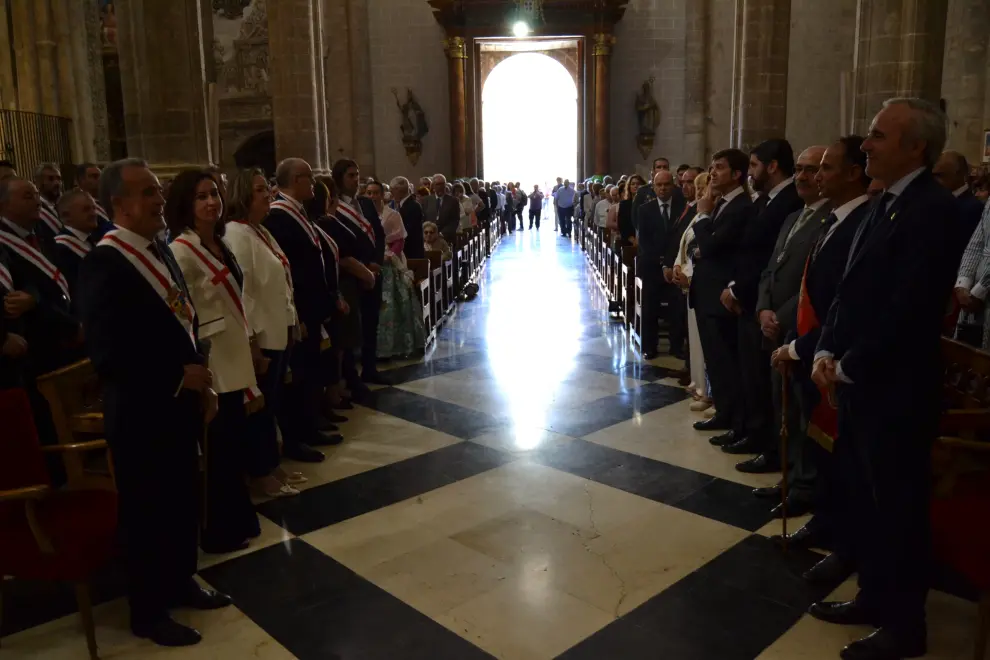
[[627, 224], [195, 219], [272, 321]]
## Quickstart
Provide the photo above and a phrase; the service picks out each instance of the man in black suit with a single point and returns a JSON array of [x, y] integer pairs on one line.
[[13, 345], [48, 179], [771, 169], [880, 350], [647, 193], [842, 178], [657, 226], [776, 307], [141, 333], [676, 305], [412, 217], [88, 180], [951, 171], [77, 211], [717, 235], [287, 221], [448, 211], [492, 201], [43, 298]]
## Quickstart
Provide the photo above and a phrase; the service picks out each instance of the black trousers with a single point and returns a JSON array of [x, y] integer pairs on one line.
[[719, 342], [228, 515], [534, 214], [298, 406], [754, 377], [653, 296], [371, 305], [565, 217], [802, 457], [883, 462], [677, 318], [262, 438]]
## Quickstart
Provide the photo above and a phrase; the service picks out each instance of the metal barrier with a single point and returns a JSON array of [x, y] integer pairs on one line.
[[29, 138]]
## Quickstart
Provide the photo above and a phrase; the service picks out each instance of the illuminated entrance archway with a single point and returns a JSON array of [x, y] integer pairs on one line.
[[529, 118]]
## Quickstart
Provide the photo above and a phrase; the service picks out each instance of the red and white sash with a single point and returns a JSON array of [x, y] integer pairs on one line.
[[24, 250], [6, 279], [333, 248], [101, 212], [356, 218], [49, 215], [273, 247], [220, 276], [283, 204], [78, 246], [158, 277]]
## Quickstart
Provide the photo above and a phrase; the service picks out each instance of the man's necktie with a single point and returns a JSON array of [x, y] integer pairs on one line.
[[718, 207], [155, 250], [826, 226], [877, 214], [798, 224], [664, 214]]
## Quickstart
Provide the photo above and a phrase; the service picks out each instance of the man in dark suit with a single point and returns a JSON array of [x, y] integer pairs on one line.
[[48, 179], [676, 304], [647, 193], [842, 178], [492, 201], [77, 211], [448, 211], [288, 223], [371, 301], [88, 180], [412, 217], [951, 171], [776, 307], [718, 231], [657, 226], [13, 345], [880, 350], [771, 169], [141, 333], [43, 298]]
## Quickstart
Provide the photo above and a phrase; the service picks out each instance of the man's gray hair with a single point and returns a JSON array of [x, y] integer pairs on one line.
[[112, 181], [44, 167], [283, 171], [66, 200], [929, 124], [400, 181], [440, 176]]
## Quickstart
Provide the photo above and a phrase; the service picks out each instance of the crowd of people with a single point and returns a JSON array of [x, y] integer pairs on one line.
[[268, 304], [816, 288]]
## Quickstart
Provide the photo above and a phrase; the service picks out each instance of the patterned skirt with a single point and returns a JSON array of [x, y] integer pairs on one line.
[[400, 328]]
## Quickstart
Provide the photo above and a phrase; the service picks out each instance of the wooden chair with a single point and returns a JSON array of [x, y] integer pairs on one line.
[[636, 330], [448, 284], [961, 466], [436, 285], [627, 283], [421, 271], [73, 395], [47, 534]]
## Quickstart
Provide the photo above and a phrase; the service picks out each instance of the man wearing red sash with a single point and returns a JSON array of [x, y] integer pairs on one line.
[[48, 179], [141, 333], [77, 211], [88, 179]]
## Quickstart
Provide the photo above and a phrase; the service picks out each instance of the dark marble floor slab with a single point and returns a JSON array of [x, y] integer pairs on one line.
[[607, 411], [450, 418]]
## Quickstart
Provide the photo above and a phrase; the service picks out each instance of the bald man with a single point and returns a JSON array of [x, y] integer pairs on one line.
[[952, 172]]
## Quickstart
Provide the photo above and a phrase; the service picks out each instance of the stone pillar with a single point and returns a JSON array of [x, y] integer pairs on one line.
[[25, 56], [48, 76], [361, 94], [695, 68], [8, 93], [966, 75], [321, 86], [762, 114], [292, 81], [601, 51], [340, 120], [457, 63], [163, 88], [899, 53]]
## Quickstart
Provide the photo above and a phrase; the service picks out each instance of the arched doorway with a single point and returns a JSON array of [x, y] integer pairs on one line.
[[257, 151], [529, 121]]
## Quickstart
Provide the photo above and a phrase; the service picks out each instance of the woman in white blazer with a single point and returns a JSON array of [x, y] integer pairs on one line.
[[194, 215]]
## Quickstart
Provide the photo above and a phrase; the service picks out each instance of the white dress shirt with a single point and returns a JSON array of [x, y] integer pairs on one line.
[[601, 212], [960, 190]]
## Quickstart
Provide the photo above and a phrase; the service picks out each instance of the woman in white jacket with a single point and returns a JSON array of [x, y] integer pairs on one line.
[[271, 317], [194, 214]]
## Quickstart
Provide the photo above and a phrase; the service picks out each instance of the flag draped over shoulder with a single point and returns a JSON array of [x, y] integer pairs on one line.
[[823, 424]]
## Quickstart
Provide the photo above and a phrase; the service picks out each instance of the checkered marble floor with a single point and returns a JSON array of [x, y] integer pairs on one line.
[[530, 490]]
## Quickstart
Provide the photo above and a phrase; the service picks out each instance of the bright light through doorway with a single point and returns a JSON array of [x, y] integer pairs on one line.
[[529, 120]]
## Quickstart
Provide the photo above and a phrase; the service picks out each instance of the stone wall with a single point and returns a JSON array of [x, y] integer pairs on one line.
[[721, 29], [966, 75], [821, 49], [407, 51], [649, 42]]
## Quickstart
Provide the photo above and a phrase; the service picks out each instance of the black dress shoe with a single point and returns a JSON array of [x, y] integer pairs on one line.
[[848, 613], [885, 644], [345, 404], [197, 598], [795, 507], [303, 454], [375, 378], [767, 492], [809, 535], [727, 438], [211, 547], [831, 570], [716, 423], [649, 355], [167, 632], [746, 445], [324, 439], [759, 465], [334, 417], [360, 392], [324, 424]]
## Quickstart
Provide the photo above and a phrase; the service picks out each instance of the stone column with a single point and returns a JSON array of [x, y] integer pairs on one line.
[[695, 68], [25, 56], [340, 120], [48, 76], [967, 74], [457, 62], [321, 84], [601, 51], [163, 87], [8, 93], [762, 114], [292, 81], [899, 53]]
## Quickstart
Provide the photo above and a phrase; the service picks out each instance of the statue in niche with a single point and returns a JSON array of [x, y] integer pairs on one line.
[[648, 115], [414, 127]]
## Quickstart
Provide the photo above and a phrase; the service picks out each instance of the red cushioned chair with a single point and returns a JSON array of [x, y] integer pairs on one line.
[[49, 534]]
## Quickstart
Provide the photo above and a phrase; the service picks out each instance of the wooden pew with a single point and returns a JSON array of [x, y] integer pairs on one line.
[[636, 329], [421, 272], [627, 284], [449, 284], [437, 290]]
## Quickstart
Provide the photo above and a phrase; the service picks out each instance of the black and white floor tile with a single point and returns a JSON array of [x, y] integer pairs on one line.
[[529, 490]]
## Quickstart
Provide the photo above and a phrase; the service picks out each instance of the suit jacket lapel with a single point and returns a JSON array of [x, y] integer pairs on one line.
[[884, 226]]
